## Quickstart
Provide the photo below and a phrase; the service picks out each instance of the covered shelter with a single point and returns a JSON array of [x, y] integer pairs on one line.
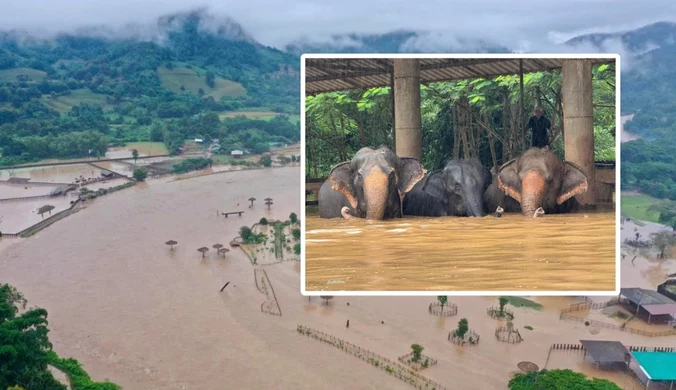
[[405, 75], [607, 353], [648, 303], [657, 368]]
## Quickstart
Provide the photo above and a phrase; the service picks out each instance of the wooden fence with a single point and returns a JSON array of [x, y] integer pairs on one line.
[[470, 337], [406, 358], [496, 313], [449, 309], [508, 335], [270, 305], [27, 198], [395, 369], [585, 306]]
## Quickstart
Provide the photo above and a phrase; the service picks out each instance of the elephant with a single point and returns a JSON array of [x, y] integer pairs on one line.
[[537, 179], [372, 185], [456, 190]]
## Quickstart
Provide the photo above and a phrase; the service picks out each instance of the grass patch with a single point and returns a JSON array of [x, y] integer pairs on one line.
[[279, 239], [636, 207], [9, 75], [147, 148], [523, 302], [191, 81], [79, 379], [64, 103], [528, 327]]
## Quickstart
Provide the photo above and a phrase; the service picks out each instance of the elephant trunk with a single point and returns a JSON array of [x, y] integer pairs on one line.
[[475, 208], [376, 186], [532, 191]]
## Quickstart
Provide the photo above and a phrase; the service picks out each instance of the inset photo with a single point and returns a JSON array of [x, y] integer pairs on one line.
[[472, 174]]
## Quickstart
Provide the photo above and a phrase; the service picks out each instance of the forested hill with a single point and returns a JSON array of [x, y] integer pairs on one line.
[[76, 93]]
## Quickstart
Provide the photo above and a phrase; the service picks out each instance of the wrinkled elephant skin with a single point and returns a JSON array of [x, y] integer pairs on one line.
[[456, 190], [540, 179], [372, 185]]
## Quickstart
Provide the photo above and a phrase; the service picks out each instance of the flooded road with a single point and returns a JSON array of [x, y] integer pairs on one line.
[[574, 252]]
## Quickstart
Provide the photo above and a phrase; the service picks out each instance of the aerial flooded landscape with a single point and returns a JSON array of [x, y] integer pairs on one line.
[[153, 223]]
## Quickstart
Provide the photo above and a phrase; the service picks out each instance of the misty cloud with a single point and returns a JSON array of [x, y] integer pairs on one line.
[[538, 25]]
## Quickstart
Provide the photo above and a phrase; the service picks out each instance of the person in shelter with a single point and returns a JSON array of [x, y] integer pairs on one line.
[[539, 126]]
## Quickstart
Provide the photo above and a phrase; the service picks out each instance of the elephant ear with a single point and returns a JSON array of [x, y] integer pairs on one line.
[[341, 181], [409, 173], [435, 185], [508, 180], [574, 182]]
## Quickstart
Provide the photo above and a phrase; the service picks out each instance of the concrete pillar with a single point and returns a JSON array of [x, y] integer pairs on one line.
[[578, 121], [408, 123]]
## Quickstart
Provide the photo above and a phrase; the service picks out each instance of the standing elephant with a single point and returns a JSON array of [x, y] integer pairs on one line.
[[372, 185], [458, 190], [539, 178]]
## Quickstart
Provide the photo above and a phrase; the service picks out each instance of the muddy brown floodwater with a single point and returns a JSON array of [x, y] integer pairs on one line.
[[574, 252]]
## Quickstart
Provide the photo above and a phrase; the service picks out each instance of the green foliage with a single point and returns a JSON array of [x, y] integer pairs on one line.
[[79, 378], [503, 301], [293, 218], [338, 124], [23, 343], [263, 221], [296, 234], [417, 352], [134, 155], [192, 164], [650, 167], [463, 328], [443, 300], [296, 249], [266, 161], [25, 350], [140, 174], [558, 380], [130, 91], [249, 237]]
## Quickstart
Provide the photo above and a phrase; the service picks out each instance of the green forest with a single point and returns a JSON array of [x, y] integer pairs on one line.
[[76, 96], [470, 118]]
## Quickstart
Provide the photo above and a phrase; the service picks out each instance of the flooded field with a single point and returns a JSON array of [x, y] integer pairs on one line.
[[54, 174], [8, 190], [132, 311], [118, 167], [574, 252]]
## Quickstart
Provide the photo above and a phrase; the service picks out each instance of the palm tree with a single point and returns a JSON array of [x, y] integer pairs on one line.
[[171, 244], [204, 250], [252, 199]]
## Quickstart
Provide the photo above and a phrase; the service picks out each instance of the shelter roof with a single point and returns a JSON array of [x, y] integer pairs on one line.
[[658, 366], [341, 74], [643, 297], [605, 351]]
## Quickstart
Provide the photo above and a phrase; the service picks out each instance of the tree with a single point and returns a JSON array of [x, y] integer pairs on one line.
[[293, 218], [140, 174], [296, 234], [663, 240], [171, 244], [203, 250], [25, 345], [263, 221], [266, 161], [463, 328], [245, 233], [503, 301], [296, 249], [134, 154], [443, 300], [417, 352], [558, 380]]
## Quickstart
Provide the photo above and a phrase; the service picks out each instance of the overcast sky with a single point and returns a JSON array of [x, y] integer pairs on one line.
[[516, 23]]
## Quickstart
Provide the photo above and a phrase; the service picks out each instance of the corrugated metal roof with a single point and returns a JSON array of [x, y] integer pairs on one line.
[[341, 74]]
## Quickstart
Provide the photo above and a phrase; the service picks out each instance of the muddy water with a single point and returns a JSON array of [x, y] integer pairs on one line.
[[54, 174], [148, 318], [552, 253]]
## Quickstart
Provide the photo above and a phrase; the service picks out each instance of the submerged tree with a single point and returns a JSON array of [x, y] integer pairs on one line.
[[443, 300], [252, 199], [171, 244], [503, 301], [134, 155], [269, 203], [204, 250], [463, 328], [417, 352], [293, 218], [662, 241]]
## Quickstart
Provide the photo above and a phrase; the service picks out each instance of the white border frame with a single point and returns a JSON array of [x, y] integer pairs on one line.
[[618, 196]]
